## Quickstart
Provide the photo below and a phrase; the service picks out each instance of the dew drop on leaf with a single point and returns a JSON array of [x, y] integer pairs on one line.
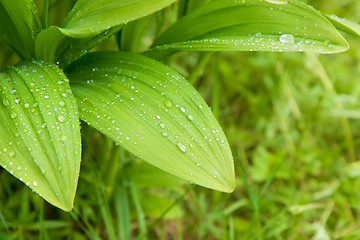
[[13, 115], [61, 118], [287, 38], [181, 147], [168, 103]]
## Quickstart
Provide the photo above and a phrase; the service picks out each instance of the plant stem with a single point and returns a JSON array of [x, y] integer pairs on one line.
[[45, 14]]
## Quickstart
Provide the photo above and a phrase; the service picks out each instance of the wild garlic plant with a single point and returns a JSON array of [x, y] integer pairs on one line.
[[134, 99]]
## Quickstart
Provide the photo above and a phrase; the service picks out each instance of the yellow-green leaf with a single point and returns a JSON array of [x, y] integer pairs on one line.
[[153, 112], [251, 25], [40, 134]]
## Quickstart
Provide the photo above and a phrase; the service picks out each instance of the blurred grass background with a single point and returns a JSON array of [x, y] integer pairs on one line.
[[292, 120]]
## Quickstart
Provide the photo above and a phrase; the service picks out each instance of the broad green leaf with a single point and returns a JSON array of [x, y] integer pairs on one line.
[[19, 25], [40, 134], [251, 25], [92, 17], [153, 112], [92, 21], [344, 25]]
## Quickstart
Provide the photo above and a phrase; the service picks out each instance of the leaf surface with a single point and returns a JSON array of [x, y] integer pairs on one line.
[[91, 17], [40, 134], [89, 23], [251, 25], [19, 25], [153, 112], [344, 24]]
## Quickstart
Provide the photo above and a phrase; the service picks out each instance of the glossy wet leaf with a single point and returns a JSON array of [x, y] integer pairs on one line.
[[345, 25], [251, 25], [19, 25], [40, 135], [153, 112]]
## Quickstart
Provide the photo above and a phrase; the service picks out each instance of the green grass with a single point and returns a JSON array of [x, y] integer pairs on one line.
[[293, 124]]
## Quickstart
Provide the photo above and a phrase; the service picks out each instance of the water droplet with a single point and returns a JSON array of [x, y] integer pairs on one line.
[[287, 38], [168, 103], [12, 154], [158, 116], [181, 147], [13, 115], [63, 138], [190, 117], [46, 96], [200, 106], [162, 125], [61, 118], [164, 134], [26, 105], [34, 183], [17, 100], [183, 109], [61, 103], [6, 103]]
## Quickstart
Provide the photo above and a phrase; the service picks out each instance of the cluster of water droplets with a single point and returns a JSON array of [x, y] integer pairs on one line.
[[39, 110], [136, 110]]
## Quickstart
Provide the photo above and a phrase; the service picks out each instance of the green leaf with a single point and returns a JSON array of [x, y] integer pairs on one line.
[[92, 21], [131, 34], [19, 25], [153, 112], [92, 17], [344, 25], [52, 46], [40, 134], [251, 25]]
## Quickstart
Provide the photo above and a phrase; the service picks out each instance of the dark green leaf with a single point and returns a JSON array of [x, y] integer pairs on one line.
[[19, 25], [40, 136], [154, 113], [251, 25]]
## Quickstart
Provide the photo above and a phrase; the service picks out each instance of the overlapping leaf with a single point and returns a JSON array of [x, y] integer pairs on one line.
[[94, 21], [91, 17], [344, 25], [251, 25], [40, 135], [154, 113], [19, 24]]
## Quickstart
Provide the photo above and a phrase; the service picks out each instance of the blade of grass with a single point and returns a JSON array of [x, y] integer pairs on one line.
[[318, 68], [84, 225], [255, 204], [104, 208], [200, 67], [122, 205], [43, 234], [231, 227], [2, 220], [138, 208]]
